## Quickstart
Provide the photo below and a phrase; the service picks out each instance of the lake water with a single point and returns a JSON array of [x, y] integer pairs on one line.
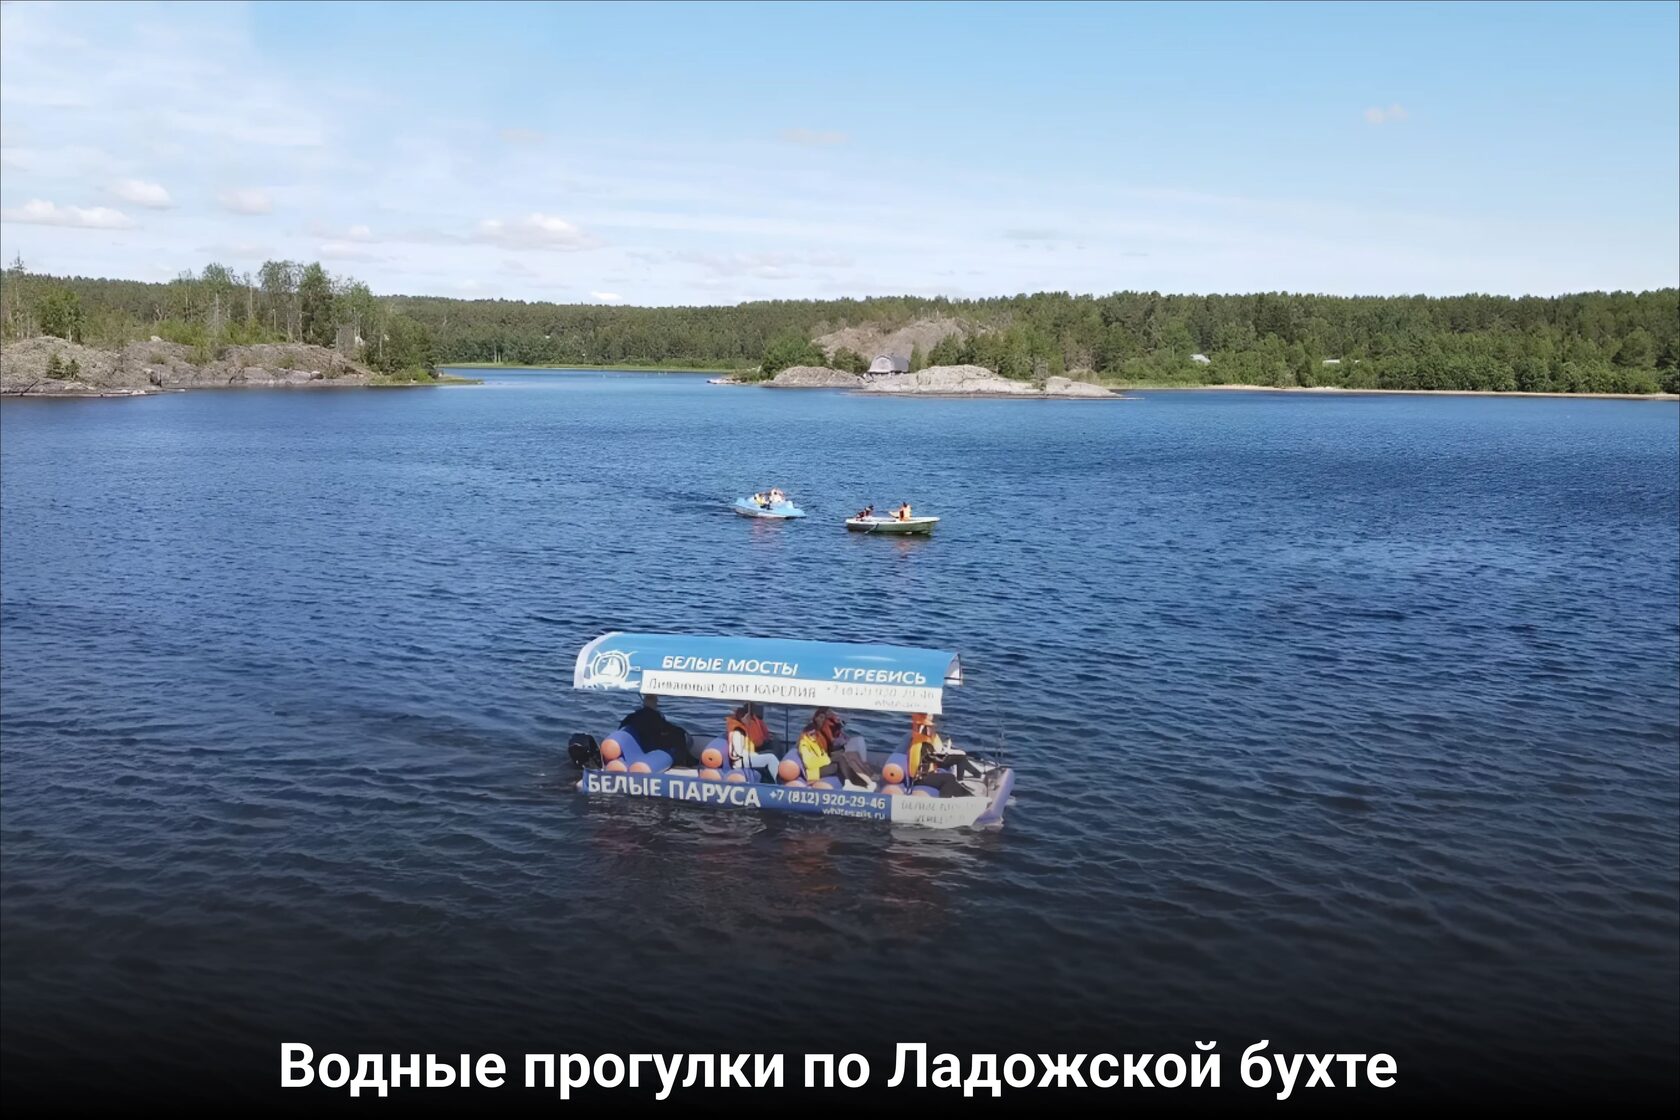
[[1344, 722]]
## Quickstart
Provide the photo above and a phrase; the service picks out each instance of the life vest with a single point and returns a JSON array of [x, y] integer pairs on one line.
[[813, 752], [750, 726], [922, 741], [902, 513]]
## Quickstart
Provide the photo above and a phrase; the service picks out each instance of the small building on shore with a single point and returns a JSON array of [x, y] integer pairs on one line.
[[888, 363]]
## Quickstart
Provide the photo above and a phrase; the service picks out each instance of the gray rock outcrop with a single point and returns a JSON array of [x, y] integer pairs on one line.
[[1067, 387], [814, 377], [967, 381], [28, 367]]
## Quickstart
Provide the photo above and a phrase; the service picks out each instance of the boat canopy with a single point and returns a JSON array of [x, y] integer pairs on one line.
[[770, 671]]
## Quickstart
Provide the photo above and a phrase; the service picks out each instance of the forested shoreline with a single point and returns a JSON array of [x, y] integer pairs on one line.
[[1591, 342]]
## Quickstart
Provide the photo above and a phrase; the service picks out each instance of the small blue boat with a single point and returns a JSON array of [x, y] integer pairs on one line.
[[793, 673], [780, 511]]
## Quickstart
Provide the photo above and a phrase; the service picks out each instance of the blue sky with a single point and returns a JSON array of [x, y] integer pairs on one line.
[[649, 153]]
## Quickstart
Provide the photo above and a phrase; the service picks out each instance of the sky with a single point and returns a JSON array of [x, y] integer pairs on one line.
[[715, 153]]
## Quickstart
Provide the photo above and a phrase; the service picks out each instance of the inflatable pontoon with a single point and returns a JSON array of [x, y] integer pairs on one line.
[[794, 674], [781, 511]]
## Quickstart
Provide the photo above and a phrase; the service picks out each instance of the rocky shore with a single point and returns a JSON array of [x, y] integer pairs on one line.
[[52, 367], [938, 381], [815, 377]]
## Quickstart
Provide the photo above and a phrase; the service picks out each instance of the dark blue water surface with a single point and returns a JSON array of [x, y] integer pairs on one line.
[[1345, 722]]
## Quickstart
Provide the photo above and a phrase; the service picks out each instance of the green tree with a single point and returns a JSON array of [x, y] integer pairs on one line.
[[849, 360], [790, 350], [1637, 351], [408, 347], [918, 360], [61, 313], [279, 281], [354, 305], [948, 351], [316, 322]]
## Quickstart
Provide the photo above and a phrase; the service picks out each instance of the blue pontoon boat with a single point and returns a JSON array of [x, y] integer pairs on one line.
[[802, 674], [776, 511]]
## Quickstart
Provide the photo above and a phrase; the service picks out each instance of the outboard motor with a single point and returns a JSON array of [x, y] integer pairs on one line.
[[585, 752]]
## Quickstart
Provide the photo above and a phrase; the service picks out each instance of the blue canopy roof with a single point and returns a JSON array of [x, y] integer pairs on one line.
[[770, 671]]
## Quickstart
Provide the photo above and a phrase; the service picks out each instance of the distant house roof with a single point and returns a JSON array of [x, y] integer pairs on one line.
[[889, 363], [1201, 359]]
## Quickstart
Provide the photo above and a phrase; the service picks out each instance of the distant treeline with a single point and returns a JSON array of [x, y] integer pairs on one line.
[[1591, 342]]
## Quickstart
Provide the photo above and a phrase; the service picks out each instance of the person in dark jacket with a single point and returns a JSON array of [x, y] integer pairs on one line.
[[656, 733]]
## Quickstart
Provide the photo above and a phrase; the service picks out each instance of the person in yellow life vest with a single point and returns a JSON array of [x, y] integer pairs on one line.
[[902, 513], [749, 741], [760, 500], [928, 752], [922, 740], [823, 753]]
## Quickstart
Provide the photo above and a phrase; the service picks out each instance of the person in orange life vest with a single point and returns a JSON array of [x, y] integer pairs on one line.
[[749, 741], [823, 753], [927, 751], [902, 513]]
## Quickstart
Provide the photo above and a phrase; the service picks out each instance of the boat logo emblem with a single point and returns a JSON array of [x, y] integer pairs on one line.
[[609, 667]]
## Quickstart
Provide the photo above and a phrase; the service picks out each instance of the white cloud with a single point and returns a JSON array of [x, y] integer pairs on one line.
[[142, 193], [607, 297], [37, 212], [241, 128], [522, 136], [811, 137], [1394, 114], [237, 250], [248, 200], [347, 251], [763, 266], [358, 233], [71, 161], [43, 97], [533, 231]]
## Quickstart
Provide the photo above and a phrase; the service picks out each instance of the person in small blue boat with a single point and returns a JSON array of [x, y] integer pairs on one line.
[[760, 500], [902, 513], [749, 741], [823, 753], [866, 512], [656, 733], [777, 496]]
